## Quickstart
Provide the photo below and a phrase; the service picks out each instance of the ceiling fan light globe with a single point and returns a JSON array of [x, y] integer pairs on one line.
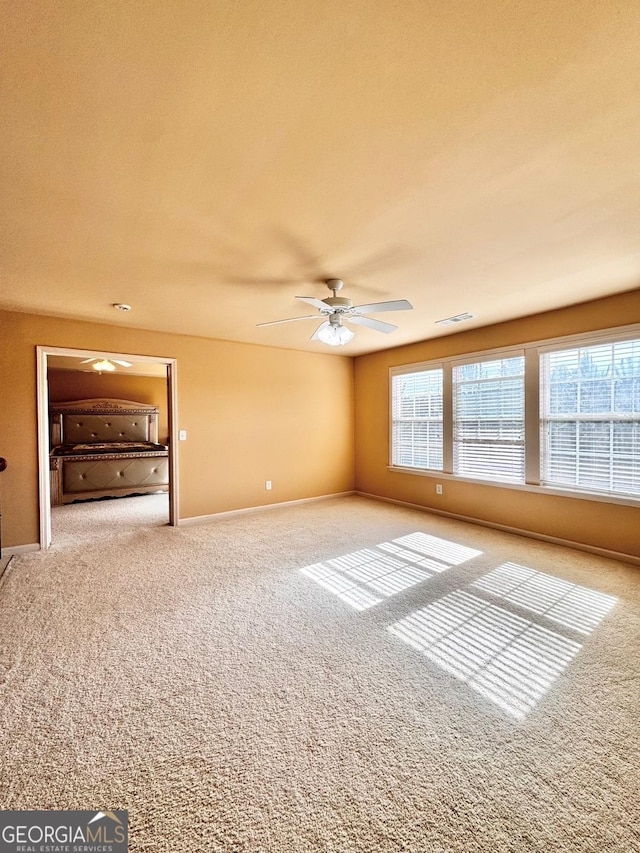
[[103, 364], [335, 336]]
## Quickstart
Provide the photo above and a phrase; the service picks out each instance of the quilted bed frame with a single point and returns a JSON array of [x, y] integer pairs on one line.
[[105, 448]]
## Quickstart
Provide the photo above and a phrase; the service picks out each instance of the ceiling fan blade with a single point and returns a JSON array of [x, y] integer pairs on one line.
[[394, 305], [121, 363], [290, 320], [314, 336], [317, 303], [378, 325], [88, 360]]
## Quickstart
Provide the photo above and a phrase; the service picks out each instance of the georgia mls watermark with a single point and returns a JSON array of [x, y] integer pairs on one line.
[[63, 832]]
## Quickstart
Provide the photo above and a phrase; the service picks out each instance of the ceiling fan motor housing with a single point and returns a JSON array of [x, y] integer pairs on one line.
[[338, 303]]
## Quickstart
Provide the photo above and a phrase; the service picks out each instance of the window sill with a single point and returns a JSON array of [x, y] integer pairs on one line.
[[599, 497]]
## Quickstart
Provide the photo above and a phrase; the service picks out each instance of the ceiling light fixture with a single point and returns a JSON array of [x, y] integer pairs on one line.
[[121, 306], [334, 333], [104, 364]]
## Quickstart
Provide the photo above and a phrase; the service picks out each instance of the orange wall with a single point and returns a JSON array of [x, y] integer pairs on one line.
[[252, 413], [65, 385], [604, 525], [256, 413]]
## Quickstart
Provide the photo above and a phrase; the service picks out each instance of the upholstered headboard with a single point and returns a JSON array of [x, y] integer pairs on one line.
[[104, 419]]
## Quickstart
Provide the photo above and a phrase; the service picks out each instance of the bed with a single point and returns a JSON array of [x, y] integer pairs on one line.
[[105, 448]]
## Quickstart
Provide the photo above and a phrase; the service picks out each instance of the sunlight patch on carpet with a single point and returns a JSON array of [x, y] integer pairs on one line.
[[505, 658], [567, 604], [449, 552], [366, 577]]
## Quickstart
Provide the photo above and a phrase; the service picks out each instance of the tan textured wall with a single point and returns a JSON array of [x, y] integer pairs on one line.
[[65, 385], [598, 524], [252, 413]]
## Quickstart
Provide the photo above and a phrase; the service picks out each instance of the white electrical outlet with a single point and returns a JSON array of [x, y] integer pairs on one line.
[[267, 485], [438, 488]]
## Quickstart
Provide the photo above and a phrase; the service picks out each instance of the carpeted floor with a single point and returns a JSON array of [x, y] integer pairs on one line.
[[337, 676]]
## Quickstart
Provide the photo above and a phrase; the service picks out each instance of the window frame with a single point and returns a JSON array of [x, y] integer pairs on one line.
[[411, 369], [459, 363], [605, 418], [532, 350]]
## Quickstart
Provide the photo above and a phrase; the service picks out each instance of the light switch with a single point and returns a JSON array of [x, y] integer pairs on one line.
[[182, 435]]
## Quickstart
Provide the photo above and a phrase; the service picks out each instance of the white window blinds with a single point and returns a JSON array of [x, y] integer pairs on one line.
[[590, 417], [488, 419], [417, 419]]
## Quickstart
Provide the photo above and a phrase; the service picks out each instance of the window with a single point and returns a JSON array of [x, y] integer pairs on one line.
[[561, 414], [488, 419], [590, 417], [417, 419]]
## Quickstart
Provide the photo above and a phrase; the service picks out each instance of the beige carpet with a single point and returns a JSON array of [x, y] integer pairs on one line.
[[339, 676]]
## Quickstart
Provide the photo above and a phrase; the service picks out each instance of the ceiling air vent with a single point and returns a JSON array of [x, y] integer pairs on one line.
[[459, 318]]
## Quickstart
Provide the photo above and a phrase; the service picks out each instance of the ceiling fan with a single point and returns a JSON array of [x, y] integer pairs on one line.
[[103, 364], [338, 308]]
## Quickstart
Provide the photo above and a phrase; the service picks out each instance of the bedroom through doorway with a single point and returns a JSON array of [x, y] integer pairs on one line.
[[106, 454]]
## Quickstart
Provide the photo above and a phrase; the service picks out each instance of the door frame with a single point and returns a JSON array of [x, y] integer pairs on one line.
[[44, 489]]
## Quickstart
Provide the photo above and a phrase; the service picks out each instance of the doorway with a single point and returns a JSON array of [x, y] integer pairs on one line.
[[44, 357]]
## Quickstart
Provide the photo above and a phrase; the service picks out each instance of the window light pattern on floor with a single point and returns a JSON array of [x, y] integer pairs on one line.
[[366, 577], [567, 604], [501, 656]]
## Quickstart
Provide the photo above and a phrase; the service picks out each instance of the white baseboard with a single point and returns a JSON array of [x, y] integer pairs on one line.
[[505, 528], [19, 549], [216, 516]]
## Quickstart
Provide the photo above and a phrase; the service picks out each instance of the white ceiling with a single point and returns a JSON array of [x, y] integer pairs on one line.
[[206, 161]]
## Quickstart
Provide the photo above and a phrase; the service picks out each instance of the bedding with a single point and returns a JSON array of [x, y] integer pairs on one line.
[[105, 448]]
